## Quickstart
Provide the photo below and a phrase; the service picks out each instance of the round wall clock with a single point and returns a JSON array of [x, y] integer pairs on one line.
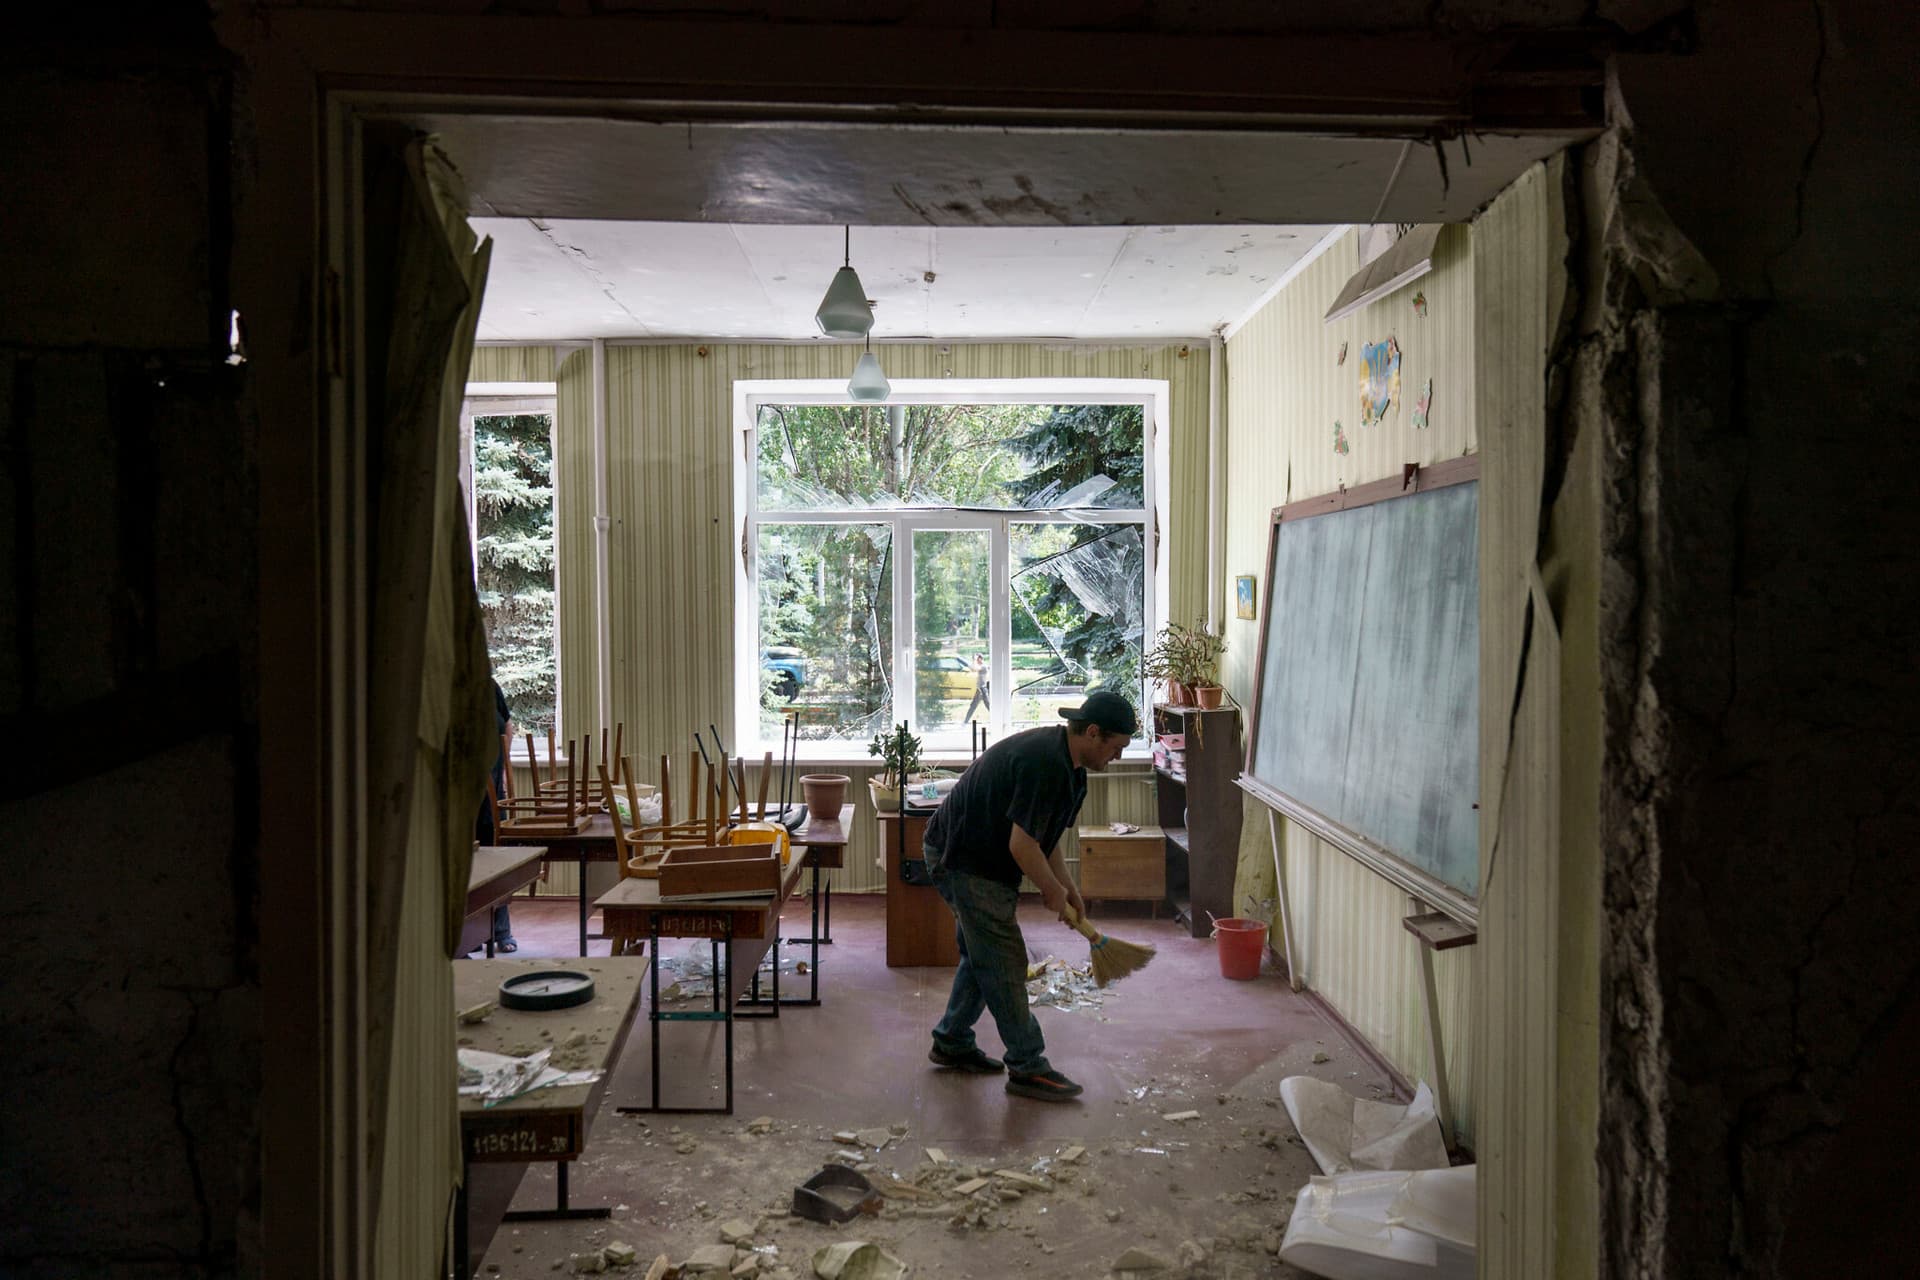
[[552, 989]]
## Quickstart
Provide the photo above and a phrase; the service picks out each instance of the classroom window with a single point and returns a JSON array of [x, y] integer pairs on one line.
[[908, 561], [507, 474]]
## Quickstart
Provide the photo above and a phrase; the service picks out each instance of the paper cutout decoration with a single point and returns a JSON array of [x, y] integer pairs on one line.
[[1420, 304], [1339, 438], [1342, 357], [1379, 379], [1421, 405]]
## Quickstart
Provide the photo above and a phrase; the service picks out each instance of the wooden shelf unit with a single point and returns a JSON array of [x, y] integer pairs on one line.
[[1200, 812]]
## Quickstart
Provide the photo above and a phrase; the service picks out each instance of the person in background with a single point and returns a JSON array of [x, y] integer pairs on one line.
[[483, 825], [1003, 820], [979, 687]]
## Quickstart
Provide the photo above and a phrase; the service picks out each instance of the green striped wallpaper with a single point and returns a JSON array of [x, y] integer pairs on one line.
[[1286, 387], [672, 533], [511, 364]]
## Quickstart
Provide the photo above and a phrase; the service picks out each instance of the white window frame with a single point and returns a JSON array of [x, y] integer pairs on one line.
[[498, 399], [1152, 394]]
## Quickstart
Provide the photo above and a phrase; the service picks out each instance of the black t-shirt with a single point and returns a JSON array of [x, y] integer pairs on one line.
[[1029, 779]]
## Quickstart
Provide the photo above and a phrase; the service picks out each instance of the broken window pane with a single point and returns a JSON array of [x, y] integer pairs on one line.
[[826, 628], [1078, 593]]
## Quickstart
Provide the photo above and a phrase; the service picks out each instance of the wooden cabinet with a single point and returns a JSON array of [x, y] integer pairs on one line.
[[1115, 866], [920, 929], [1199, 810]]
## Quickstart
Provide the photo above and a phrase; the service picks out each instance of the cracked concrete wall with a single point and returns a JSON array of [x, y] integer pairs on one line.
[[1748, 414], [127, 590]]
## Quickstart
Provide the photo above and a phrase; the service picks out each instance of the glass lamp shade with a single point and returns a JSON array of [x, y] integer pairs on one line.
[[844, 312], [869, 383]]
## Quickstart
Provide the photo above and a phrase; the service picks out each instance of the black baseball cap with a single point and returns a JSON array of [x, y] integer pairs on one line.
[[1108, 710]]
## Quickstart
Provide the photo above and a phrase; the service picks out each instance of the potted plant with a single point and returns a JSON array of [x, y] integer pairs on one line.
[[899, 753], [1187, 659]]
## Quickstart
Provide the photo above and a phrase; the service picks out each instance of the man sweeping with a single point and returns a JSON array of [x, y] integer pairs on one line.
[[1004, 819]]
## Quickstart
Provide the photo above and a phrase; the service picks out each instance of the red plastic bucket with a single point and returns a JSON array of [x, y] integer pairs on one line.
[[1241, 942]]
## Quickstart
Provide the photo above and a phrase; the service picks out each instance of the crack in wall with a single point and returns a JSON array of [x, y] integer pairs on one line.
[[1813, 145]]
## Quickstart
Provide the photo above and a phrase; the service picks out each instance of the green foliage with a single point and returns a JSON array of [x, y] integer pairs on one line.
[[1072, 445], [826, 590], [513, 506], [899, 752], [1188, 654]]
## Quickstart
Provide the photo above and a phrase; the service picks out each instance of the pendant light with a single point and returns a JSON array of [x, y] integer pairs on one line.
[[869, 383], [844, 312]]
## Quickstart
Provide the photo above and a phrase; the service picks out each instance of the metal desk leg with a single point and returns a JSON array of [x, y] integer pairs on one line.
[[583, 902], [562, 1210], [722, 1012], [754, 999]]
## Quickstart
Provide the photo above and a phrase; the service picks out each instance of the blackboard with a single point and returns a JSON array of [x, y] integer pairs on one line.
[[1366, 713]]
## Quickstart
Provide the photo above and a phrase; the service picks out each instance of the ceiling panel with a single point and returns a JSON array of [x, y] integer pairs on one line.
[[556, 279]]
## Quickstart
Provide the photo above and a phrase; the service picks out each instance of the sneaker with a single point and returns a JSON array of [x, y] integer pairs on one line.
[[972, 1060], [1048, 1086]]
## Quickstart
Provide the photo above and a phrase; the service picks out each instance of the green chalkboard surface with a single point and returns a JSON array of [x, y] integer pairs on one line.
[[1366, 710]]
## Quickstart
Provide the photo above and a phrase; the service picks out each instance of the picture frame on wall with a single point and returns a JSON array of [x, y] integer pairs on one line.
[[1243, 596]]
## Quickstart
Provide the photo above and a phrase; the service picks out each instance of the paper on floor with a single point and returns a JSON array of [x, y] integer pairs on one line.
[[1344, 1133], [1404, 1225]]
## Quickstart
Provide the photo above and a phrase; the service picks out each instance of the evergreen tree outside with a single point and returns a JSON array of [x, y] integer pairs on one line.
[[513, 526], [1071, 447]]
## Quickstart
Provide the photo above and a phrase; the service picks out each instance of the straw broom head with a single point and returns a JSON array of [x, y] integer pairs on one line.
[[1113, 958]]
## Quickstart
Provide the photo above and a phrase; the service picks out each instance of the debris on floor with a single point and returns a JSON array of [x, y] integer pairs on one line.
[[690, 976], [1064, 986], [856, 1260]]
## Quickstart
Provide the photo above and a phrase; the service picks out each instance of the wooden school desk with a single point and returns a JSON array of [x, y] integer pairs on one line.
[[594, 842], [498, 873], [747, 928], [547, 1124]]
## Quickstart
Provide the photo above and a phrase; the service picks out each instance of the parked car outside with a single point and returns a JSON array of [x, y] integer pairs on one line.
[[945, 675], [788, 667]]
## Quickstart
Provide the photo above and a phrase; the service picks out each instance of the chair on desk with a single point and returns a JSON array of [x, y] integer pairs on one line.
[[642, 847]]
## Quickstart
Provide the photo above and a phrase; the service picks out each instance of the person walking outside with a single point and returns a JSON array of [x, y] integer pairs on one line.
[[979, 688], [1004, 819]]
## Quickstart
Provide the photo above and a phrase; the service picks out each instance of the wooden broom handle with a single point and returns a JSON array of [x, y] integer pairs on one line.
[[1080, 925]]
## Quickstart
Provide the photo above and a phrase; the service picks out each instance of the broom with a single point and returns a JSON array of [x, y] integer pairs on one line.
[[1112, 957]]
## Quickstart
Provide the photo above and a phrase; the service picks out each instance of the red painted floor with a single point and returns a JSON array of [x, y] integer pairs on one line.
[[1175, 1036]]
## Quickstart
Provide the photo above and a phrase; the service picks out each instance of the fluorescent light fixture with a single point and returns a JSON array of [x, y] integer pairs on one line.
[[1410, 258], [844, 312]]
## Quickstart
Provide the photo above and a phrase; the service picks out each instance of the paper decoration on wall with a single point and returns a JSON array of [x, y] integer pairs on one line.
[[1420, 305], [1421, 405], [1243, 596], [1342, 357], [1339, 438], [1379, 379]]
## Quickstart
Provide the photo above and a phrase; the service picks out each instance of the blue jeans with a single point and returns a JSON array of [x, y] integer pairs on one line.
[[992, 973]]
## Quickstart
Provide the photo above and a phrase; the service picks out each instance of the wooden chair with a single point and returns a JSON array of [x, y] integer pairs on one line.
[[646, 844]]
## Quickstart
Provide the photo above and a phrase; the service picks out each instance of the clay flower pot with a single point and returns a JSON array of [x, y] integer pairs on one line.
[[825, 793], [1207, 696], [1178, 694]]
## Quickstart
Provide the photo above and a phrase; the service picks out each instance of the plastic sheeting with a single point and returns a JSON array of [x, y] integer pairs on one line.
[[1345, 1133], [1416, 1225]]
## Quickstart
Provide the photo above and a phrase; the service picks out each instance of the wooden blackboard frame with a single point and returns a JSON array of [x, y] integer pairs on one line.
[[1416, 880]]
